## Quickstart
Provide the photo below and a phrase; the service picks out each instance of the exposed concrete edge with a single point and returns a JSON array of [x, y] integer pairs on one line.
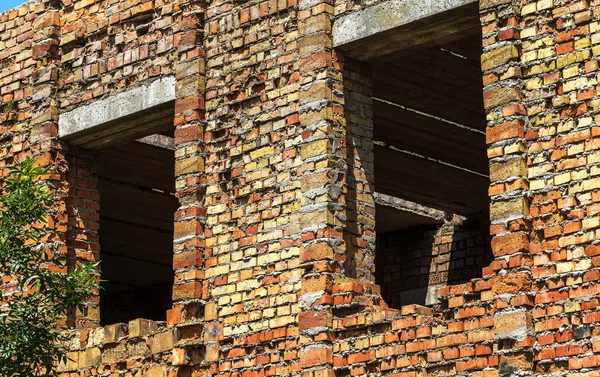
[[387, 15], [160, 141], [416, 208], [109, 109]]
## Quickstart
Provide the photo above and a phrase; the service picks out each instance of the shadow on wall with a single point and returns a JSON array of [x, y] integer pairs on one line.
[[123, 306], [412, 265]]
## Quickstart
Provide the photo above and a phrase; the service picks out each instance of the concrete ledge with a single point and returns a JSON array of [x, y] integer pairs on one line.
[[388, 15], [160, 141], [112, 108], [416, 208], [395, 25]]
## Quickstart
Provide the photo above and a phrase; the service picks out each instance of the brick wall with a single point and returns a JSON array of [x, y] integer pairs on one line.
[[140, 347], [109, 46], [413, 264], [83, 211], [360, 207], [28, 58], [250, 193], [274, 243]]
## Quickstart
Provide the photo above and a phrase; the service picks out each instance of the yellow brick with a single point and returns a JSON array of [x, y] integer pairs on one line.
[[584, 265], [562, 178], [498, 57], [572, 306], [579, 174], [570, 71], [528, 9], [529, 56], [590, 223], [261, 152], [582, 43], [316, 148], [529, 32], [539, 68], [537, 184], [534, 83], [547, 52], [544, 4], [564, 267]]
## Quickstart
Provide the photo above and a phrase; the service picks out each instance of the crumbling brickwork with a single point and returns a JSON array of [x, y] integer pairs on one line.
[[413, 264], [275, 239]]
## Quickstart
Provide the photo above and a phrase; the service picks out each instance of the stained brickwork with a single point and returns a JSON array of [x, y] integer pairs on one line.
[[274, 243]]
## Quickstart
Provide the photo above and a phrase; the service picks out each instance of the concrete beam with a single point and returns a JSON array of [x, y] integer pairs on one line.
[[398, 24], [160, 141], [417, 209], [145, 105]]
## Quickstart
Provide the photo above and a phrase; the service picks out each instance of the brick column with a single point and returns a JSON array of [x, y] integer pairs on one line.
[[75, 219], [189, 290], [509, 211], [323, 185], [561, 76]]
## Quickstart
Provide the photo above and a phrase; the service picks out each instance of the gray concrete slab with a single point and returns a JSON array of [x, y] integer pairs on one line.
[[98, 113], [388, 15]]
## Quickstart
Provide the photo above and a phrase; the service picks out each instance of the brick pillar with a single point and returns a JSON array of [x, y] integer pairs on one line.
[[323, 185], [189, 290], [74, 219], [509, 187], [561, 76]]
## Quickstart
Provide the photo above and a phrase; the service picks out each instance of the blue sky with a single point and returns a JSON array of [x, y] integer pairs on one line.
[[8, 4]]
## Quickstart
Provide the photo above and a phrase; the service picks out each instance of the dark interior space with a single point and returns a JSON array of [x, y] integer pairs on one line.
[[429, 126], [430, 152], [412, 264], [136, 185]]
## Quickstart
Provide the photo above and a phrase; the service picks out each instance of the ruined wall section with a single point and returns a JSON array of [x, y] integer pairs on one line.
[[110, 46], [455, 337], [59, 55], [413, 264], [141, 347], [534, 312]]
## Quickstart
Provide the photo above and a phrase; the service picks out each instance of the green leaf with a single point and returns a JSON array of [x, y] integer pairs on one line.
[[30, 336]]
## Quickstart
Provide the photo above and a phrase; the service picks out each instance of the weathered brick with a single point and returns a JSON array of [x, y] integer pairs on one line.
[[498, 56]]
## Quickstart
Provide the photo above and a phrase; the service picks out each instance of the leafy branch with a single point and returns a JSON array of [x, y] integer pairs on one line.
[[45, 284]]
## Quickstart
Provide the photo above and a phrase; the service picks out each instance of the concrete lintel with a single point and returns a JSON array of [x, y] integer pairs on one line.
[[379, 32], [110, 109], [416, 208], [387, 15]]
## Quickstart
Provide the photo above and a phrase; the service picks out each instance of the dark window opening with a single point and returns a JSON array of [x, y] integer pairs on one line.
[[136, 185], [414, 263], [431, 169]]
